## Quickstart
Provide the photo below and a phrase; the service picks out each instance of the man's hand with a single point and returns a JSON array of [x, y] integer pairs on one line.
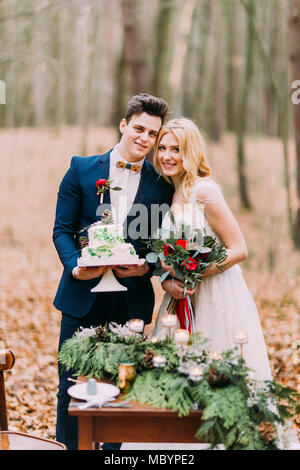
[[85, 274], [175, 288], [132, 270]]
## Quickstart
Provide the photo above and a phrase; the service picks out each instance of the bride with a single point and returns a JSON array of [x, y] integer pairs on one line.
[[222, 302]]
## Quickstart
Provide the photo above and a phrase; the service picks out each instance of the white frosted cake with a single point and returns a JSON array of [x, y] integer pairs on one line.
[[106, 246]]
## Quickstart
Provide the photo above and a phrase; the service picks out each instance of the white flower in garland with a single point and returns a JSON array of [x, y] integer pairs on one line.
[[121, 330], [187, 366], [85, 332], [195, 352]]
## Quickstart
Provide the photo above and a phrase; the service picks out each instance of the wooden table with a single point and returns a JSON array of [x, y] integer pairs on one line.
[[141, 423]]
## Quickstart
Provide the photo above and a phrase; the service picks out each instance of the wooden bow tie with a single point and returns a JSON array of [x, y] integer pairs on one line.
[[135, 168]]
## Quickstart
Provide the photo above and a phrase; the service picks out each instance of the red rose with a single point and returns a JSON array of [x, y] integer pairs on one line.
[[190, 264], [182, 243], [168, 250], [101, 183], [203, 255]]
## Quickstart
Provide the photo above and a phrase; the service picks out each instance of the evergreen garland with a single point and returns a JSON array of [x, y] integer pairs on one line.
[[237, 411]]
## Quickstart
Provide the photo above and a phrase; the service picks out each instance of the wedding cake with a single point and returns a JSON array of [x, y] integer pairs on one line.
[[106, 245]]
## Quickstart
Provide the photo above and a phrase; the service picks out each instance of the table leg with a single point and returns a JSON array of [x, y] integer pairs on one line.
[[85, 433]]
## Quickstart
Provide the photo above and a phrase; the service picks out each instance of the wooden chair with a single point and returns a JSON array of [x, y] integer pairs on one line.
[[16, 440]]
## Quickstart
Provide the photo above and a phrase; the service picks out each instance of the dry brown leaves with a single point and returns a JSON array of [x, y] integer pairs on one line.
[[33, 163]]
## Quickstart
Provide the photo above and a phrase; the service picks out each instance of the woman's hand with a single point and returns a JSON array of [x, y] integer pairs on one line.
[[175, 288]]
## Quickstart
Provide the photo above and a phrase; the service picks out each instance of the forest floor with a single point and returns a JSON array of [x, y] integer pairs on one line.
[[33, 162]]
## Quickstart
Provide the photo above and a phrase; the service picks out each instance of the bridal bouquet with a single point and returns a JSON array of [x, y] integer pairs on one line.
[[188, 258]]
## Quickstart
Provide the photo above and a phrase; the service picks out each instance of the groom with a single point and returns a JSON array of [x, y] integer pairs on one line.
[[78, 206]]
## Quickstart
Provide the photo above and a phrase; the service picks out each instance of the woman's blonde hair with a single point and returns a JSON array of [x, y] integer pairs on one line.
[[192, 148]]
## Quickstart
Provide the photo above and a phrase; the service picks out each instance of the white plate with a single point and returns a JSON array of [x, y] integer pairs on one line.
[[103, 390]]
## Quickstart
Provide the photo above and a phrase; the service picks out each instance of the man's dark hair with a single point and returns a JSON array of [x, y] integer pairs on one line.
[[144, 103]]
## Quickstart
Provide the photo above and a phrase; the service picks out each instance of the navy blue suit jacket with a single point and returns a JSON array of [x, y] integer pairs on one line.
[[77, 208]]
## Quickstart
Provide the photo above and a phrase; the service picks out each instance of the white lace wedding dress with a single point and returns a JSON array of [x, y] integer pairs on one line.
[[222, 305]]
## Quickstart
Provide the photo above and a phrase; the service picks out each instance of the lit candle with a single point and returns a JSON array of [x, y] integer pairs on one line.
[[169, 320], [154, 339], [181, 336], [159, 361], [136, 325], [195, 373], [215, 356], [240, 337]]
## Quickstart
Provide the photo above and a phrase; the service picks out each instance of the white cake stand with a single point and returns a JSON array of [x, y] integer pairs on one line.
[[108, 281]]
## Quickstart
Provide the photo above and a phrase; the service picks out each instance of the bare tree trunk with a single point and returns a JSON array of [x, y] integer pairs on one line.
[[83, 75], [164, 30], [121, 89], [241, 128], [180, 52], [294, 36], [133, 55], [62, 59], [217, 111], [207, 77], [130, 63], [234, 62], [39, 72]]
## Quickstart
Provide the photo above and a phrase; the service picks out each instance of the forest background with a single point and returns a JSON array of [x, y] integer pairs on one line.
[[67, 70]]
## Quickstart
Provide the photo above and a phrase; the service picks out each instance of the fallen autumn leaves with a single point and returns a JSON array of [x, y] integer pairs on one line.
[[29, 324]]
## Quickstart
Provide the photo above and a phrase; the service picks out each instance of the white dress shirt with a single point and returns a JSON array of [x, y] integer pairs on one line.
[[121, 201]]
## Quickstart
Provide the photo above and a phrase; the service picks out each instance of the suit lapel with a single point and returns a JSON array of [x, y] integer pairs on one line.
[[103, 173], [144, 185]]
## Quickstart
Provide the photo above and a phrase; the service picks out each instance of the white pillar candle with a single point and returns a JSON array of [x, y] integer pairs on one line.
[[181, 336], [154, 339], [195, 373], [240, 337], [169, 320], [136, 325], [215, 356], [159, 361]]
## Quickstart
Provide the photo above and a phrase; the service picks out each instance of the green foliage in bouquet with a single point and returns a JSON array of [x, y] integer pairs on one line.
[[189, 255], [237, 410]]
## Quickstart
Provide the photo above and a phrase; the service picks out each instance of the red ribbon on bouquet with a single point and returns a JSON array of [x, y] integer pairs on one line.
[[183, 309]]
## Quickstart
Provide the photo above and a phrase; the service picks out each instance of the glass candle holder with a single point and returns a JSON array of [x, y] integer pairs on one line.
[[126, 375], [169, 321], [181, 336], [241, 338], [136, 325], [215, 356], [159, 361], [195, 373]]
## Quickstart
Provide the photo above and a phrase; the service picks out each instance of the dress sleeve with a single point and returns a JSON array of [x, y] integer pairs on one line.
[[208, 193]]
